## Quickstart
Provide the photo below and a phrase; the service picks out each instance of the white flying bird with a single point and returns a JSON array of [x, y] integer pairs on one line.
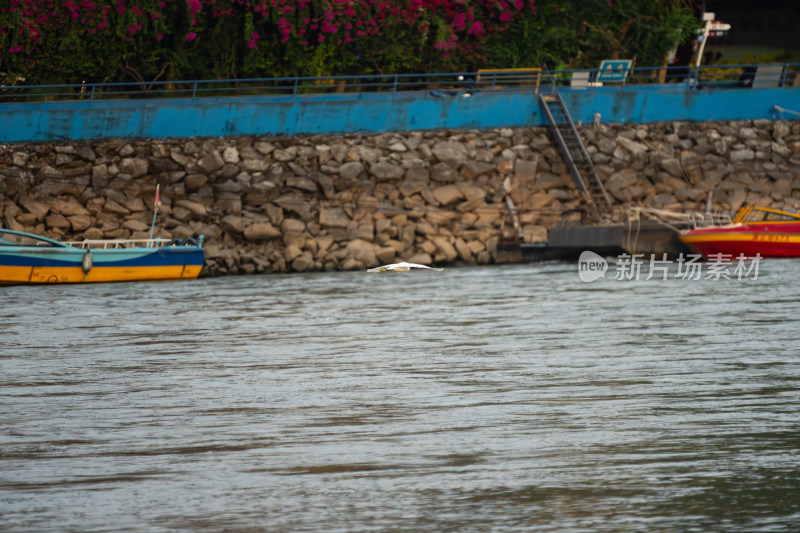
[[400, 267]]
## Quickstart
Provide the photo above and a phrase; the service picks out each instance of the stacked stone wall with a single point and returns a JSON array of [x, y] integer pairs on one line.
[[349, 202]]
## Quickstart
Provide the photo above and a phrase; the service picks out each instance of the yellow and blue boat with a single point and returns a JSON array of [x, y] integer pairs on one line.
[[26, 258]]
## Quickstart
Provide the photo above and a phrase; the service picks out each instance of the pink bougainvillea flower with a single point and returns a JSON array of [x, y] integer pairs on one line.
[[476, 28], [15, 50], [191, 36]]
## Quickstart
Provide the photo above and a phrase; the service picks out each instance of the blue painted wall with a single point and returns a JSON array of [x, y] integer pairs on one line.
[[375, 112]]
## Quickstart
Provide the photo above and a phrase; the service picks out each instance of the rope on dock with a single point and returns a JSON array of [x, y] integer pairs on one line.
[[780, 109]]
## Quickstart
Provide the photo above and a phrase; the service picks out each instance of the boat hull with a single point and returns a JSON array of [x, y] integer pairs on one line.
[[67, 265], [765, 239]]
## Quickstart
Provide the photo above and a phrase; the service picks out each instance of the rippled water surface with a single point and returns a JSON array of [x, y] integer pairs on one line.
[[504, 398]]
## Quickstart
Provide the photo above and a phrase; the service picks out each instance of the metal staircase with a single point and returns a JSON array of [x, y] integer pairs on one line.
[[574, 153]]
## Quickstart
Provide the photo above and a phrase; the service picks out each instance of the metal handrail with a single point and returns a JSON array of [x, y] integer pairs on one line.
[[106, 244], [690, 77]]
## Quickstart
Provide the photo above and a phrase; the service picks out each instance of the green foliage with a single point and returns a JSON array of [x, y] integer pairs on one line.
[[150, 40], [581, 34]]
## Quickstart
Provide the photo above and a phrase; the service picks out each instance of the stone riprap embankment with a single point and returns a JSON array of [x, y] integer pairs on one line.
[[354, 201]]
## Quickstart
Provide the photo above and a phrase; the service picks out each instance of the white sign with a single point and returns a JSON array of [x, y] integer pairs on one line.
[[719, 26]]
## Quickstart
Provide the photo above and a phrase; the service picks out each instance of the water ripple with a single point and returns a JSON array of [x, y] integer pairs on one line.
[[505, 398]]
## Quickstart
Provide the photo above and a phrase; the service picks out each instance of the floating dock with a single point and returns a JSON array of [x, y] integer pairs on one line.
[[567, 240]]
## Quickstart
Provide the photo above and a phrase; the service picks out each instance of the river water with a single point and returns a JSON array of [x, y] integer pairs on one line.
[[503, 398]]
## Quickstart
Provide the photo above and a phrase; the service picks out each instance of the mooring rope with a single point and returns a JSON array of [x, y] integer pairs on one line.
[[780, 109]]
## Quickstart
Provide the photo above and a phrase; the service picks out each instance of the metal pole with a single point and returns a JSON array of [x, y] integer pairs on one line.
[[155, 212], [702, 44]]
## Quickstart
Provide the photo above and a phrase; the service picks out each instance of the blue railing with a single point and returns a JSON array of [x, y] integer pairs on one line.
[[692, 78]]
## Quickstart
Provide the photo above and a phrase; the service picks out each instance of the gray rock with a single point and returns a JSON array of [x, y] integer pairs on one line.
[[636, 149], [398, 147], [748, 133], [193, 182], [333, 217], [303, 262], [20, 159], [560, 194], [782, 187], [779, 130], [264, 148], [133, 225], [86, 152], [673, 166], [179, 158], [737, 156], [255, 165], [197, 209], [606, 146], [210, 163], [37, 209], [285, 155], [351, 170], [621, 180], [417, 173], [442, 172], [525, 171], [452, 153], [663, 199], [48, 172], [368, 154], [385, 171], [781, 149], [232, 224], [447, 194], [290, 225], [230, 155], [296, 204], [79, 222], [134, 166], [302, 183], [362, 251]]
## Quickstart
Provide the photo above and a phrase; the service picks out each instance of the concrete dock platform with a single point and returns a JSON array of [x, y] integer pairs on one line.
[[566, 241]]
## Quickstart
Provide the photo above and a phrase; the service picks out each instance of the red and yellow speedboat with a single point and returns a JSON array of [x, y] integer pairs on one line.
[[754, 230]]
